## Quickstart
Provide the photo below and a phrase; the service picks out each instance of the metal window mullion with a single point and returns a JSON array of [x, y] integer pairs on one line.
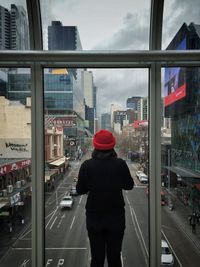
[[155, 136], [155, 165], [37, 166], [36, 43]]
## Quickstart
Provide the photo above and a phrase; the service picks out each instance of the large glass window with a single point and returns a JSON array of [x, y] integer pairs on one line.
[[15, 166], [94, 25], [69, 129], [82, 99], [180, 175]]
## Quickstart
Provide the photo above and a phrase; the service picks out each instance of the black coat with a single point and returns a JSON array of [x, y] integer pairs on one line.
[[103, 181]]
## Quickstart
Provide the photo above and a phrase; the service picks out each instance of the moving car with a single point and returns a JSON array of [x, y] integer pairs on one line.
[[66, 202], [167, 259]]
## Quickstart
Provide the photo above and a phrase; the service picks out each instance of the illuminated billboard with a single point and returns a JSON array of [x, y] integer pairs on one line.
[[175, 81]]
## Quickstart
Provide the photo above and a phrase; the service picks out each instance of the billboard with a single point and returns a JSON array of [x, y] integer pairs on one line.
[[175, 81]]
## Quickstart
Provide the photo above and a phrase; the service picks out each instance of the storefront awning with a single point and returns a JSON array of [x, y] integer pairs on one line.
[[58, 162], [2, 204], [184, 173]]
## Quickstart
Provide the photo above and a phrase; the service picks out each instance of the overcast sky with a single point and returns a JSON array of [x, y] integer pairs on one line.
[[112, 24]]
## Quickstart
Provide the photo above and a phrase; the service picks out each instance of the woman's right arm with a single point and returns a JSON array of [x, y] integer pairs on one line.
[[81, 186]]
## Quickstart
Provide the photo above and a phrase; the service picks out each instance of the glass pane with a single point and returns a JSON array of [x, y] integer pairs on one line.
[[78, 103], [15, 167], [180, 176], [180, 16], [95, 25], [14, 29]]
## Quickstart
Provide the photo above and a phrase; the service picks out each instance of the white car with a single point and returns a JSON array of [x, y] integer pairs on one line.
[[66, 202], [143, 178], [138, 173], [167, 259]]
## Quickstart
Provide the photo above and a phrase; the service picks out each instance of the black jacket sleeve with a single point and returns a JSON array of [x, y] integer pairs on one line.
[[127, 180], [81, 186]]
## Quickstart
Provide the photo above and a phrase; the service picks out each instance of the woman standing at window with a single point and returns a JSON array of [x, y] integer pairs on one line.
[[103, 177]]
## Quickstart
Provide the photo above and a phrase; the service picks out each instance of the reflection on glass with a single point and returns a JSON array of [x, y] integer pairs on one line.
[[180, 152], [99, 26], [15, 166], [14, 31], [77, 104]]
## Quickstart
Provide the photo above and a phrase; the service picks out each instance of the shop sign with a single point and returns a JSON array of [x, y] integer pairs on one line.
[[64, 121], [14, 166]]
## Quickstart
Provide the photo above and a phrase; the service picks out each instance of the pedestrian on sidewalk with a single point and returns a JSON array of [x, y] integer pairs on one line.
[[103, 177], [193, 219]]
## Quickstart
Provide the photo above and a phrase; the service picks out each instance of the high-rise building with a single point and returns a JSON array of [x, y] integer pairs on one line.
[[132, 102], [105, 121], [113, 107], [88, 87], [14, 32], [19, 28], [142, 108], [64, 38], [4, 28]]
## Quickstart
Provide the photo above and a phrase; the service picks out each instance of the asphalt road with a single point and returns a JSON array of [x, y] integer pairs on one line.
[[66, 239]]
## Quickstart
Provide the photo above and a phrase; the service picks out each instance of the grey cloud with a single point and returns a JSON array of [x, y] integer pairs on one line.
[[115, 86], [134, 34], [175, 14]]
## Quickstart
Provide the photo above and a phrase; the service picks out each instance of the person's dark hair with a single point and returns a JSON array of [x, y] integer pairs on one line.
[[104, 154]]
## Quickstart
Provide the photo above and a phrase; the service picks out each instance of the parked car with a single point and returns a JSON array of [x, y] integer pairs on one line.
[[167, 258], [143, 178], [138, 173], [66, 202]]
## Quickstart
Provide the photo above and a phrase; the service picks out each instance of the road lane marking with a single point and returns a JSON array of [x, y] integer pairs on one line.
[[140, 232], [180, 264], [139, 238], [127, 200], [53, 223], [80, 200], [51, 218], [72, 223]]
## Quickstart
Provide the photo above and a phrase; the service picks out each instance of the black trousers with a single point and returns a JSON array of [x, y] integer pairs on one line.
[[106, 232]]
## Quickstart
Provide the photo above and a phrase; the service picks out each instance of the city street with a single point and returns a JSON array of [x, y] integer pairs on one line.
[[66, 237]]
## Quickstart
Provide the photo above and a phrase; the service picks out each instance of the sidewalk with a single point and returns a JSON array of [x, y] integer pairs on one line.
[[180, 215]]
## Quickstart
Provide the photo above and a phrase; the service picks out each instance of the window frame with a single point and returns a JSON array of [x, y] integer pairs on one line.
[[153, 59]]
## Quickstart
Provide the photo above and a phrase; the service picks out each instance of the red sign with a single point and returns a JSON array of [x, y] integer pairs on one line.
[[14, 166], [176, 95], [140, 123]]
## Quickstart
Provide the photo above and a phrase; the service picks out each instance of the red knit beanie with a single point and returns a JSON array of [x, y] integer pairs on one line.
[[104, 140]]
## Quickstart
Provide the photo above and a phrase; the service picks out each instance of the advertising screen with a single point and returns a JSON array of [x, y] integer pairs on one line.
[[175, 81]]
